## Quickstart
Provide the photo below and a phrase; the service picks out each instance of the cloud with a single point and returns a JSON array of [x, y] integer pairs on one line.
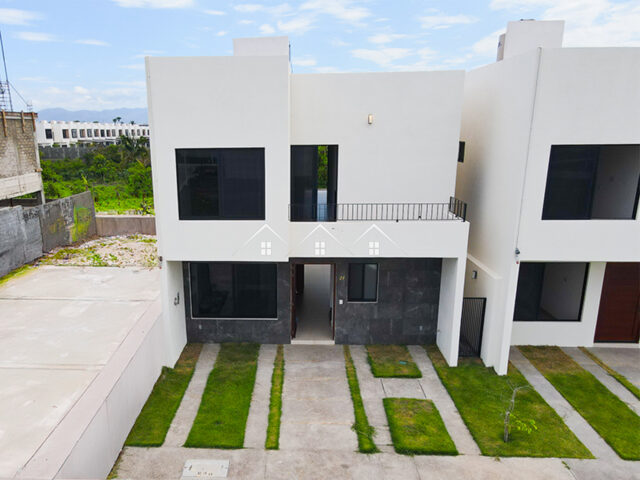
[[36, 37], [215, 12], [304, 62], [13, 16], [154, 3], [488, 45], [221, 33], [341, 9], [91, 41], [80, 90], [382, 38], [267, 29], [383, 56], [249, 7], [246, 22], [440, 21], [297, 25], [79, 97]]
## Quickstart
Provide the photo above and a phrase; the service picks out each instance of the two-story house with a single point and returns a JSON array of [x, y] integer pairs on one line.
[[306, 208], [551, 174]]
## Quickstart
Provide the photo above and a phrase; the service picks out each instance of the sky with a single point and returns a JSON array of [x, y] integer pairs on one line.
[[89, 54]]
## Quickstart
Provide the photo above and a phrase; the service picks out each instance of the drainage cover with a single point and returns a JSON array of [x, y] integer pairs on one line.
[[205, 469]]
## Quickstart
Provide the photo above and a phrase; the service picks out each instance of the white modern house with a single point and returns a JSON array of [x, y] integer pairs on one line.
[[306, 208], [551, 175], [72, 133]]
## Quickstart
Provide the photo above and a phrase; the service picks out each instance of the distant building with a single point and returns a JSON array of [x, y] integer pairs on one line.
[[71, 133], [19, 160]]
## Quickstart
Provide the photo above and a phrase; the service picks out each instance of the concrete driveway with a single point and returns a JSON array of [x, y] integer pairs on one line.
[[58, 327]]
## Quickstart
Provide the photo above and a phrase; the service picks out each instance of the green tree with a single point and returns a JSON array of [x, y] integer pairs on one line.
[[140, 184], [134, 149]]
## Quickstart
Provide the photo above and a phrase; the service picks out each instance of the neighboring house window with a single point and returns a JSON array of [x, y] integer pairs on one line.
[[363, 282], [89, 133], [113, 133], [120, 132], [127, 132], [138, 131], [233, 290], [65, 133], [48, 133], [220, 183], [592, 182], [550, 291], [102, 133], [82, 134], [461, 152], [74, 133], [96, 132]]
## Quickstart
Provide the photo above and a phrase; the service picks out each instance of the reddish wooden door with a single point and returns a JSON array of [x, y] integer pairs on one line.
[[619, 314]]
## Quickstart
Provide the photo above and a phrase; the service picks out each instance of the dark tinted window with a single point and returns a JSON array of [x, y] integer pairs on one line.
[[363, 282], [221, 183], [233, 290], [48, 133]]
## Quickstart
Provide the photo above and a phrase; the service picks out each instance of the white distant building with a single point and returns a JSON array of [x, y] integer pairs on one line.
[[261, 242], [71, 133], [551, 174]]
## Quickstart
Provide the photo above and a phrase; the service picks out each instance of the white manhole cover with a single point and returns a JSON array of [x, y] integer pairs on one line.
[[205, 469]]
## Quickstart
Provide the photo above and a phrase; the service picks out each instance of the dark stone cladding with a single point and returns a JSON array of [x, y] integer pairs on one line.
[[238, 330]]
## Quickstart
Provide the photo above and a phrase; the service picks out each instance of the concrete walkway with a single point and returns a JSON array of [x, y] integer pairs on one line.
[[603, 377], [186, 414], [624, 360], [317, 413], [256, 431], [585, 433]]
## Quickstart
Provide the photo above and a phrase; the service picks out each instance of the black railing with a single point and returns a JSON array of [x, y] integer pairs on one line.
[[471, 326], [393, 212]]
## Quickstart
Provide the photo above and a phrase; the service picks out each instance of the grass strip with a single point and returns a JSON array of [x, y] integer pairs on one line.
[[153, 423], [417, 428], [392, 361], [361, 426], [616, 423], [224, 408], [275, 403], [620, 378], [481, 396]]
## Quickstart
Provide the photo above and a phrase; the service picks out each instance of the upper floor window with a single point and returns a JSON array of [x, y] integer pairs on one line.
[[48, 133], [82, 135], [220, 183], [65, 133], [74, 133], [89, 133], [592, 182], [96, 132], [102, 133]]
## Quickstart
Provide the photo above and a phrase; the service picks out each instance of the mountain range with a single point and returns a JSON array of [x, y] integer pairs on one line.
[[138, 115]]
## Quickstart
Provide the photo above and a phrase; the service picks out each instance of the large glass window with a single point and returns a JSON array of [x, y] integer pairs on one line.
[[220, 183], [363, 282], [550, 291], [233, 290]]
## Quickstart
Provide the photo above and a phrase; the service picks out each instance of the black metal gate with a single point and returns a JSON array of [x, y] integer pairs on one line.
[[471, 326]]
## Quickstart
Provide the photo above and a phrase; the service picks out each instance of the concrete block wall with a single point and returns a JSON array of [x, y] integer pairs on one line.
[[109, 225], [19, 161]]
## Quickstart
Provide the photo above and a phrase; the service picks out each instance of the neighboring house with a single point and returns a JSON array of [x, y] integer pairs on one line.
[[19, 159], [306, 207], [551, 174], [71, 133]]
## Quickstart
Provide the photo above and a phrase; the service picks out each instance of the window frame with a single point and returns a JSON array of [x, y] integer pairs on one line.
[[350, 297]]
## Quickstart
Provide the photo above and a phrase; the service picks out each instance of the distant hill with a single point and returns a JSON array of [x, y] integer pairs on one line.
[[138, 115]]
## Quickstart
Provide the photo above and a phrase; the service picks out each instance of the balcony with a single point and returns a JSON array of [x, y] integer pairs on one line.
[[455, 210]]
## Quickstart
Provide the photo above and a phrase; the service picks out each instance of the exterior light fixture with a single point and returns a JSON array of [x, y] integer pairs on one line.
[[474, 274], [370, 119]]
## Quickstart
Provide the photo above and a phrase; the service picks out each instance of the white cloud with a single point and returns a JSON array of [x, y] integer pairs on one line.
[[304, 62], [341, 9], [295, 26], [487, 46], [246, 22], [221, 33], [154, 3], [36, 37], [382, 38], [77, 97], [440, 21], [215, 12], [80, 90], [249, 7], [13, 16], [383, 56], [267, 29], [91, 41]]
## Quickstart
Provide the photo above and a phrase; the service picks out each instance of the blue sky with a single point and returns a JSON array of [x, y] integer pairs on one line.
[[88, 54]]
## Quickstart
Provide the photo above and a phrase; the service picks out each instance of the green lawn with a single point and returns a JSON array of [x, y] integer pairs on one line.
[[616, 423], [224, 408], [361, 426], [482, 397], [155, 418], [417, 428], [392, 361], [275, 403], [619, 377]]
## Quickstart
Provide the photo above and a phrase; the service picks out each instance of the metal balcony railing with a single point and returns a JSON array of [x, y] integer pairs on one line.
[[392, 212]]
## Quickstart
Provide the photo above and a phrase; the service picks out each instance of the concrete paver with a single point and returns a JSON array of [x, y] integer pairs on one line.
[[402, 388], [188, 409], [624, 360], [256, 431]]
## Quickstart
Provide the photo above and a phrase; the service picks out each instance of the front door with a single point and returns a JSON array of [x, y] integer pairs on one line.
[[619, 314]]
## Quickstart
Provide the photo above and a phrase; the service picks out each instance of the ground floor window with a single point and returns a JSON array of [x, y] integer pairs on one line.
[[233, 290], [363, 282], [550, 291]]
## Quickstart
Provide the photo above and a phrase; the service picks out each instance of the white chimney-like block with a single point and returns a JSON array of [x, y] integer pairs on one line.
[[525, 35]]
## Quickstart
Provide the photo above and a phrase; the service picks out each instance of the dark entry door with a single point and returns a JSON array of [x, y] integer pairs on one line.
[[619, 314]]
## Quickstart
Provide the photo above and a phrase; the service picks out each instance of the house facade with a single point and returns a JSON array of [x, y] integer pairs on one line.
[[73, 133], [551, 174], [306, 208]]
